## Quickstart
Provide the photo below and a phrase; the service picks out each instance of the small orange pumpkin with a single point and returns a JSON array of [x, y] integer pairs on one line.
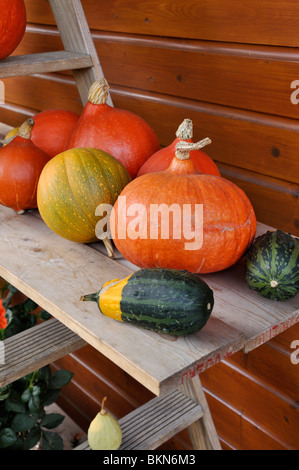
[[161, 159], [21, 164]]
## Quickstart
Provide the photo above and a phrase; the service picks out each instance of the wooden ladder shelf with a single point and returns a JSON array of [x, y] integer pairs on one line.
[[160, 419], [79, 55], [36, 347]]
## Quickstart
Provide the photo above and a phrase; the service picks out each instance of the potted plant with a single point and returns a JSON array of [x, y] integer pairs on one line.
[[24, 421]]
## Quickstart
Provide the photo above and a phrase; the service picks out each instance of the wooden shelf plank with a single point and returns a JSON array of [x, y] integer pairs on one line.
[[55, 272], [36, 347], [43, 63], [152, 424]]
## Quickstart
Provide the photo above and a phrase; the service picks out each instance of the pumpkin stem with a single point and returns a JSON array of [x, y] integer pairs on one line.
[[92, 297], [109, 247], [103, 412], [26, 128], [98, 92], [183, 149], [185, 130]]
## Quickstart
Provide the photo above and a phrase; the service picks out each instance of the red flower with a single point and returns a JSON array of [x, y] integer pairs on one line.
[[3, 320]]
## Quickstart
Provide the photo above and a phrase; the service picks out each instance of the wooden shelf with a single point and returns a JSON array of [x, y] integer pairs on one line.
[[157, 421], [43, 63], [36, 347], [55, 273]]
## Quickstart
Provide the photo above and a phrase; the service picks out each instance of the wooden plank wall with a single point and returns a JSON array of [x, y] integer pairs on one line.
[[227, 65]]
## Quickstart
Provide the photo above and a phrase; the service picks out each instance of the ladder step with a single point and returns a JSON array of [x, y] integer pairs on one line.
[[147, 427], [43, 62], [34, 348]]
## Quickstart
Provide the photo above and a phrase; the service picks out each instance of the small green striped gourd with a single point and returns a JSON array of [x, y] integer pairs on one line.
[[272, 265], [169, 301]]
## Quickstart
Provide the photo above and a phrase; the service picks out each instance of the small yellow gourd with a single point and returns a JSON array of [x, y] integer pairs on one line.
[[104, 432]]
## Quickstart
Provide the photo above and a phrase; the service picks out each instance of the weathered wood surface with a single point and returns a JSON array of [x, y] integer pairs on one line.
[[34, 348], [157, 421], [55, 272], [257, 22], [76, 37], [43, 63]]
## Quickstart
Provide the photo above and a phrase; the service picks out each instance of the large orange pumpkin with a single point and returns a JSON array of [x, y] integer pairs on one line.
[[157, 219], [12, 25], [161, 159], [119, 132]]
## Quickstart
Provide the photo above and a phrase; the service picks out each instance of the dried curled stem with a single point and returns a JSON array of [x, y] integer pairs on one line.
[[183, 149]]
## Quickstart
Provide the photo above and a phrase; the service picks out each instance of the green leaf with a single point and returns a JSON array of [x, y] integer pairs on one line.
[[7, 437], [50, 397], [22, 422], [34, 403], [45, 373], [5, 392], [14, 403], [26, 395], [29, 305], [51, 441], [32, 438], [59, 379], [51, 420], [43, 315]]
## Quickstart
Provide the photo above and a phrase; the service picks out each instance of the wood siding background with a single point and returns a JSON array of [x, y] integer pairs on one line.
[[227, 65]]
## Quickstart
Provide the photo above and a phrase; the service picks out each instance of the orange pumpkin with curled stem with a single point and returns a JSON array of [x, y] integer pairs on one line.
[[21, 164], [199, 245], [161, 159]]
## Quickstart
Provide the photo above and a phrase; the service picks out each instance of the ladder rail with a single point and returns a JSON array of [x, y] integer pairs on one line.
[[76, 37]]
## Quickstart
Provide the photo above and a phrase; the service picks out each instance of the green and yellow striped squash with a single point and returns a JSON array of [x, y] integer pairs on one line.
[[272, 265], [73, 185], [169, 301]]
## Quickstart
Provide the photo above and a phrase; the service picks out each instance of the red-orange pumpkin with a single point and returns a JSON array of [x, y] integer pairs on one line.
[[161, 159], [21, 164], [139, 219], [12, 25], [119, 132], [51, 130]]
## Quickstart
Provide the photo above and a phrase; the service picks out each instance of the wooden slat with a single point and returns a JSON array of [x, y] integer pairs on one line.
[[75, 35], [237, 430], [36, 347], [147, 427], [258, 404], [257, 22], [256, 142], [196, 70], [55, 273], [43, 63], [258, 318]]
